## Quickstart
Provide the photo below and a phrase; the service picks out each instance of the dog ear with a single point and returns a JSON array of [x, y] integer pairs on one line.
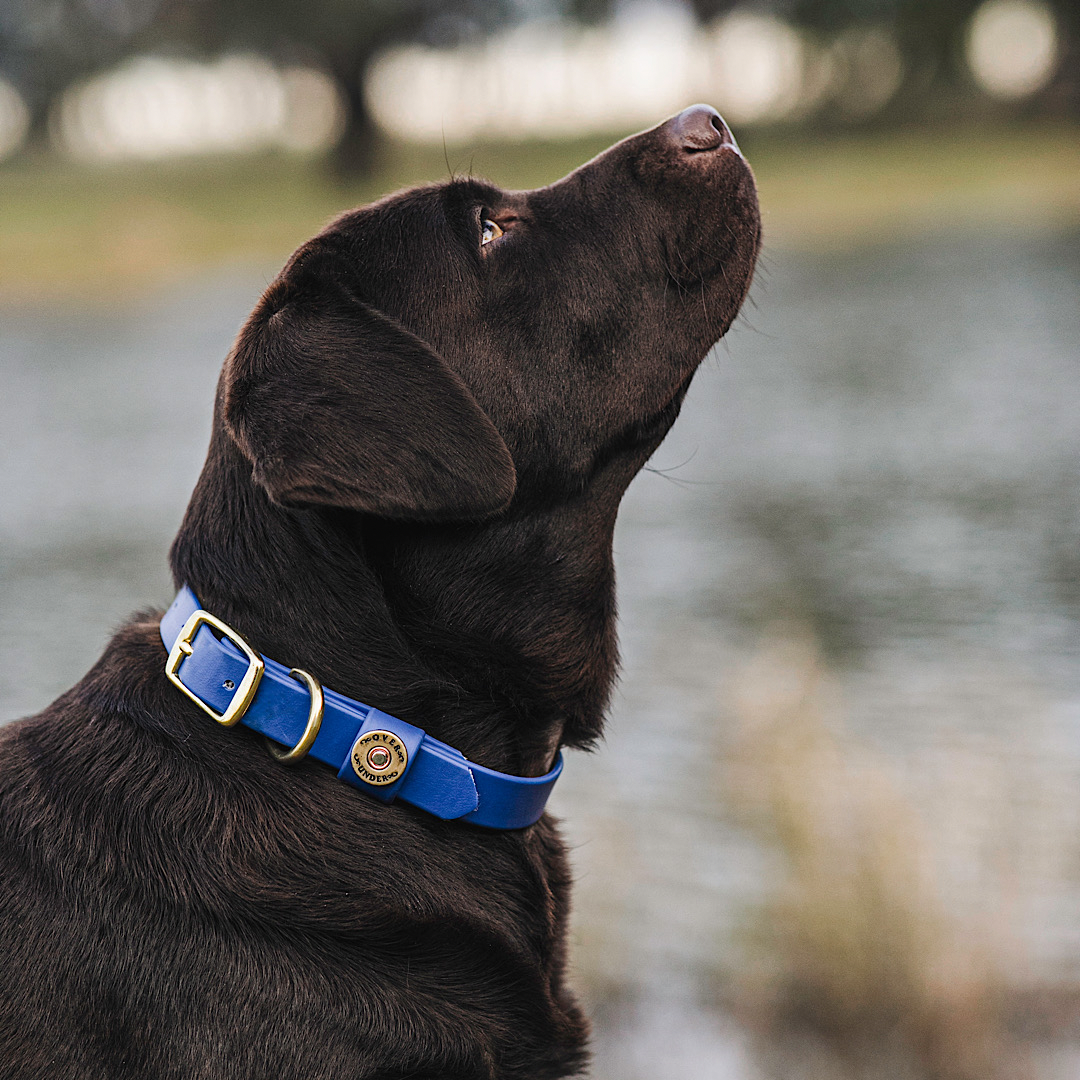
[[337, 405]]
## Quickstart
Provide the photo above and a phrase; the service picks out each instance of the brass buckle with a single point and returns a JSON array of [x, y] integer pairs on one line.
[[314, 722], [182, 649]]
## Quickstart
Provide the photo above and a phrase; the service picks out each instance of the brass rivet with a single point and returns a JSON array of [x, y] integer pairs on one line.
[[379, 757]]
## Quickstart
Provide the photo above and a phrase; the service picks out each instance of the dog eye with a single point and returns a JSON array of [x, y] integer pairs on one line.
[[489, 231]]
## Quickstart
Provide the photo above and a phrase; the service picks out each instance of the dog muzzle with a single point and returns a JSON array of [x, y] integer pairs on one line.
[[375, 752]]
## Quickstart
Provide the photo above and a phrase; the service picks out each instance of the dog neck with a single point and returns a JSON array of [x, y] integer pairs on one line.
[[496, 637]]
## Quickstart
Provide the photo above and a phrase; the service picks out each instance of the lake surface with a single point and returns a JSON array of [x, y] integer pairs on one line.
[[877, 470]]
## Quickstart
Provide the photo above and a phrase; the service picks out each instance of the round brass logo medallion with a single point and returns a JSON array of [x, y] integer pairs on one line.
[[379, 758]]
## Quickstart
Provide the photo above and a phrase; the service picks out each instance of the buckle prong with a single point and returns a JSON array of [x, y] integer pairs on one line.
[[183, 648]]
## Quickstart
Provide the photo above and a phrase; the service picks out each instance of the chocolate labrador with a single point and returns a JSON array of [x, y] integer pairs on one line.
[[397, 566]]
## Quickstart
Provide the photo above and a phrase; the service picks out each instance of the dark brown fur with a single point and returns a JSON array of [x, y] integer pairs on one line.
[[418, 453]]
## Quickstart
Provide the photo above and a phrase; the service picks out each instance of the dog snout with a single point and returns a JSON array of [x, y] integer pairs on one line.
[[700, 128]]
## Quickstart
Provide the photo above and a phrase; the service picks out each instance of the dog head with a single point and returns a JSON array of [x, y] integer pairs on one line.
[[452, 349]]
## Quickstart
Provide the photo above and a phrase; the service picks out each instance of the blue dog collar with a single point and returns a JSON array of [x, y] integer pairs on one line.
[[378, 753]]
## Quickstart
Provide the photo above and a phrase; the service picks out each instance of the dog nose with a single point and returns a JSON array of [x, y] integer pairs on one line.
[[701, 127]]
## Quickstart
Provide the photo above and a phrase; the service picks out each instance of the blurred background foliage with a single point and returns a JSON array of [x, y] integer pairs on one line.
[[930, 48], [142, 138], [849, 581]]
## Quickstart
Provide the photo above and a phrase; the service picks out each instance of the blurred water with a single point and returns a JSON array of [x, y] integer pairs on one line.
[[884, 451]]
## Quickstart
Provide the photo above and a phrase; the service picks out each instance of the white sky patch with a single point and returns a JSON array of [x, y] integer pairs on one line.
[[1012, 47], [869, 71], [154, 107], [14, 119], [557, 80]]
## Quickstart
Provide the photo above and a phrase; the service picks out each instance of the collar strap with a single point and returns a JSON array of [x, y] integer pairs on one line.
[[375, 752]]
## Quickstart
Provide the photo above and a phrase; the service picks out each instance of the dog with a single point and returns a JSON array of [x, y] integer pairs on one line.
[[421, 437]]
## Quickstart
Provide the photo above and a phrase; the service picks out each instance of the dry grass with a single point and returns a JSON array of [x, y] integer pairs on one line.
[[854, 969], [848, 191], [105, 233]]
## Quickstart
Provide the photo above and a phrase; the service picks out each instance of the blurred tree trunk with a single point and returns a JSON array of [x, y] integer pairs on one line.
[[355, 154], [1066, 91], [38, 135]]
